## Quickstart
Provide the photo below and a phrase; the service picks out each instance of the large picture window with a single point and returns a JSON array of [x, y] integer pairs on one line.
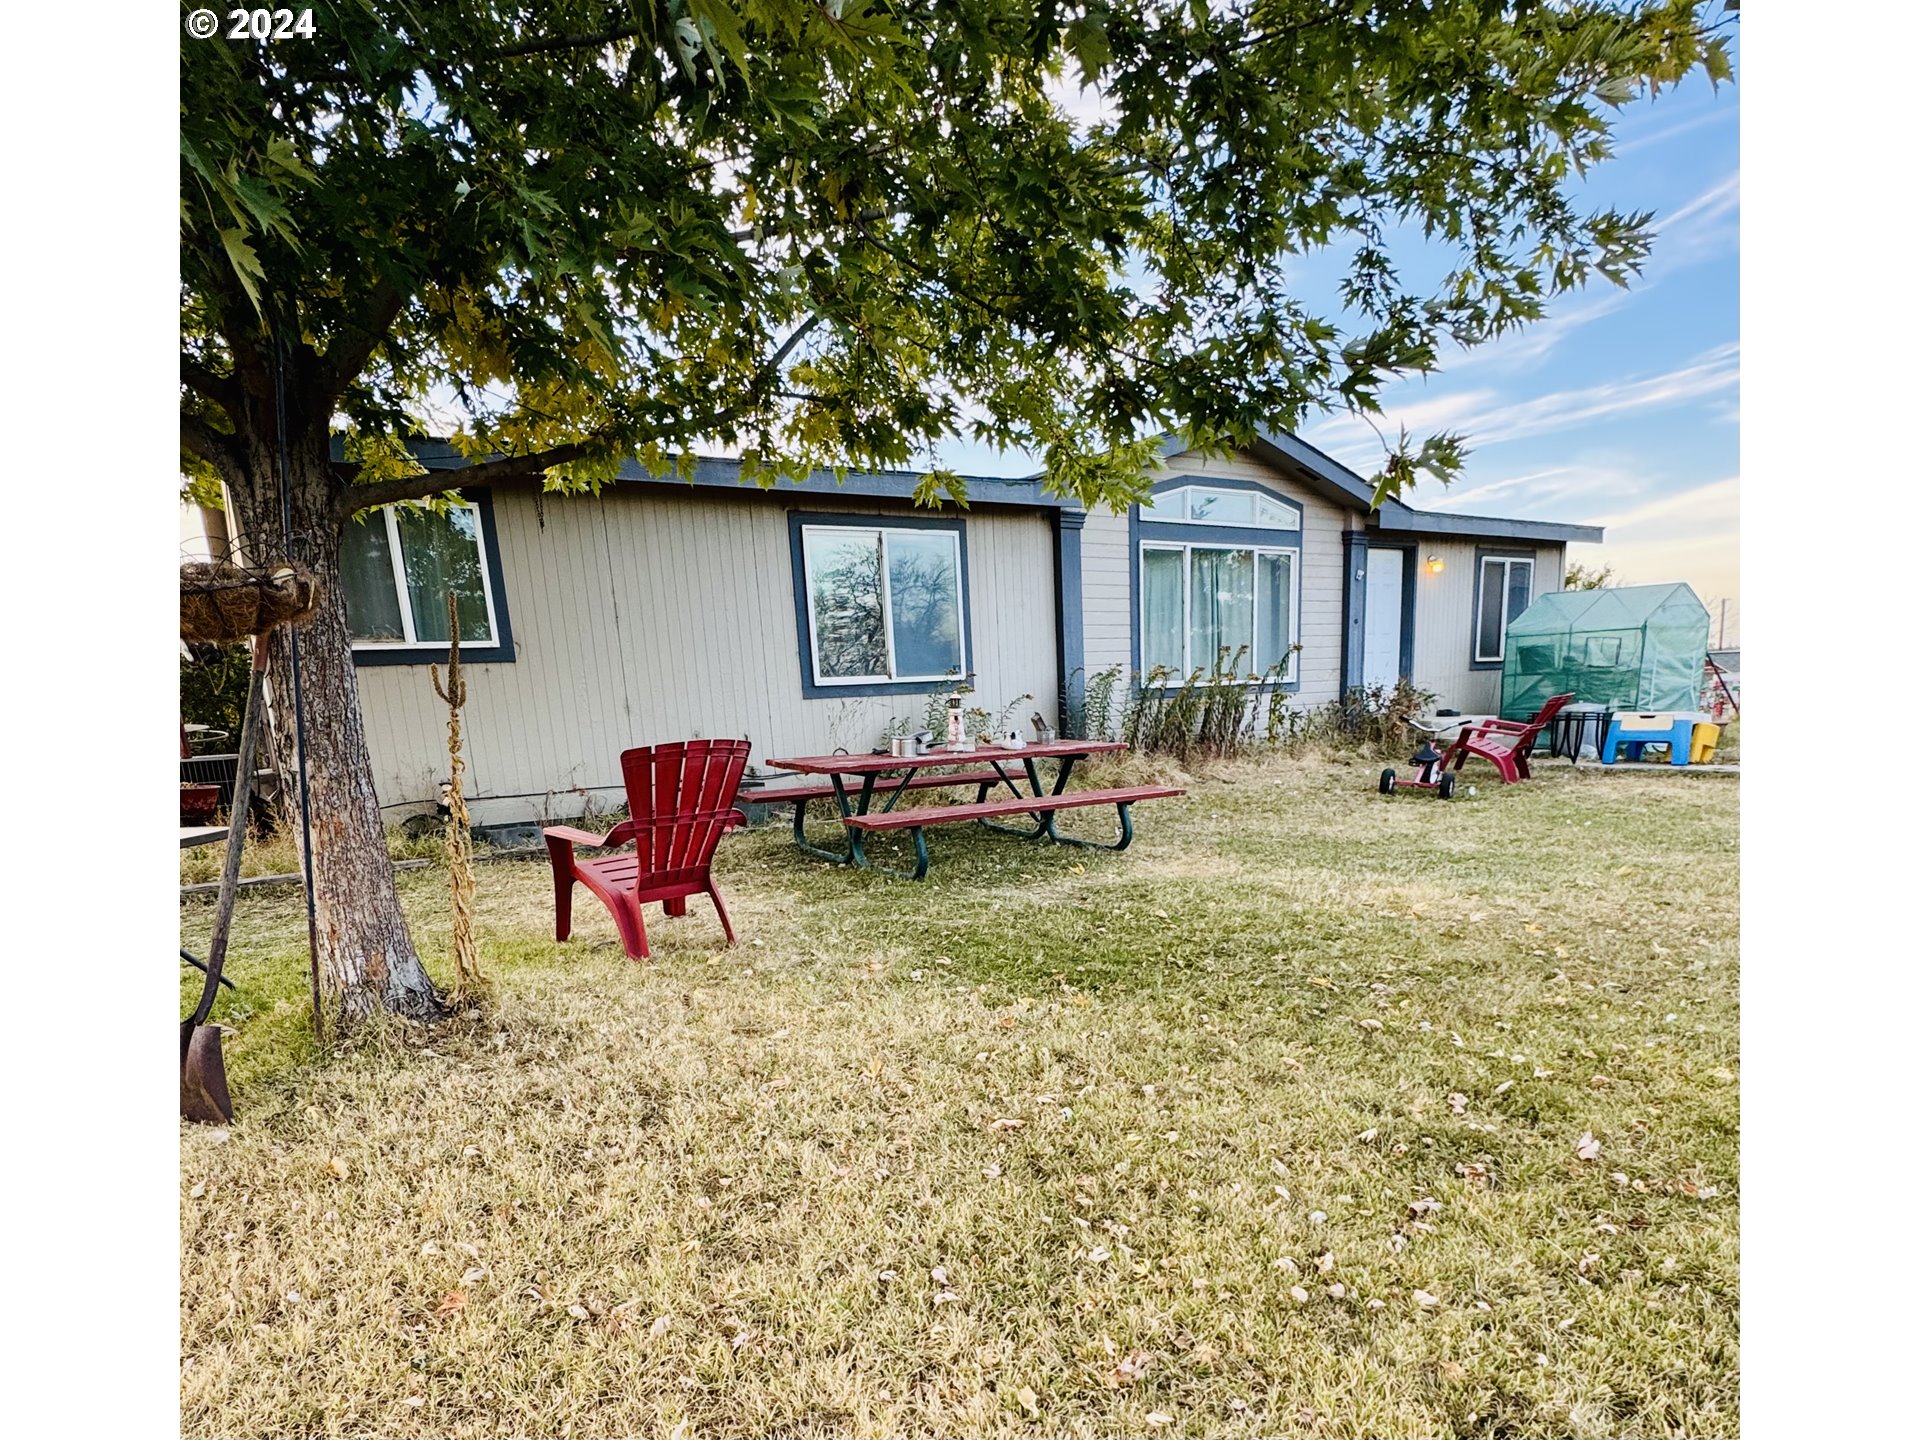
[[1506, 589], [399, 564], [1202, 602], [884, 604]]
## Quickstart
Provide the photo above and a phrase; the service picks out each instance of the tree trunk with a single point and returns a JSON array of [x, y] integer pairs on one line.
[[366, 957]]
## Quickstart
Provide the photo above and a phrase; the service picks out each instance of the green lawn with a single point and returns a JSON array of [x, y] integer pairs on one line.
[[1279, 1123]]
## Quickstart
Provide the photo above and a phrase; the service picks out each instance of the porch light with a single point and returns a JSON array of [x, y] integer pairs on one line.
[[1436, 565]]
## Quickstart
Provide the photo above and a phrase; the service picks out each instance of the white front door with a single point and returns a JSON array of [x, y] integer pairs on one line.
[[1380, 664]]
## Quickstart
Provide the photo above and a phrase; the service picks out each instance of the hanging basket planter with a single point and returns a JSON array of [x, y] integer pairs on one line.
[[223, 603]]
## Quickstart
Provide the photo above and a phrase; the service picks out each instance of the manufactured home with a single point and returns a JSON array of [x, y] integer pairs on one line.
[[807, 616]]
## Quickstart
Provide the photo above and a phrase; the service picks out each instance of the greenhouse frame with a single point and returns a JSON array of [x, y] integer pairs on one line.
[[1633, 647]]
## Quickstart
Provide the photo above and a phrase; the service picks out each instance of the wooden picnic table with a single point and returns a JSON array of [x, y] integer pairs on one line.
[[984, 767]]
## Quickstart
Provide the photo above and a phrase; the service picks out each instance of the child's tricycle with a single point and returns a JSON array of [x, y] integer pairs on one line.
[[1428, 774]]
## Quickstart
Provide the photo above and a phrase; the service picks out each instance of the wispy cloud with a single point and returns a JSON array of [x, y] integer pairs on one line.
[[1487, 420], [1692, 536], [1715, 115]]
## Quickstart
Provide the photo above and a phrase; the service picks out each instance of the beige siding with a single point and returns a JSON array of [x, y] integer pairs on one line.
[[651, 615], [1443, 620], [1106, 592], [1106, 563]]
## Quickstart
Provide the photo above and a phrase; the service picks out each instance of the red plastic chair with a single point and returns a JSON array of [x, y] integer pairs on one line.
[[1504, 742], [680, 800]]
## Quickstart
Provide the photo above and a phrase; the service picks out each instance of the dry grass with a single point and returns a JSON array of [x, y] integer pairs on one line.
[[1054, 1143]]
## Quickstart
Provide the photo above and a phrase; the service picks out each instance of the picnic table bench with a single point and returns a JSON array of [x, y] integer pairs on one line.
[[894, 775]]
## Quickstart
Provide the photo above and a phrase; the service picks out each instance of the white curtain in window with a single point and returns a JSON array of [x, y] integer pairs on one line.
[[1163, 607], [1275, 590]]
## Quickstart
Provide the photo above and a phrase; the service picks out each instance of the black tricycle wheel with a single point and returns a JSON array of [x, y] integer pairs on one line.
[[1386, 782], [1447, 780]]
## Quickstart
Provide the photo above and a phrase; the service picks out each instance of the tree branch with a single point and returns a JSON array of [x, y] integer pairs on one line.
[[222, 390], [199, 438], [347, 356], [437, 482]]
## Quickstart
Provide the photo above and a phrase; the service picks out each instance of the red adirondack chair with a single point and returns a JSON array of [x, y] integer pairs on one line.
[[680, 802], [1504, 742]]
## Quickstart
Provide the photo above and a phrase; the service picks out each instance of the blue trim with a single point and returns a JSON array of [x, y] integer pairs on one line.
[[1241, 536], [1481, 553], [1238, 537], [1353, 635], [501, 652], [803, 623], [1069, 598]]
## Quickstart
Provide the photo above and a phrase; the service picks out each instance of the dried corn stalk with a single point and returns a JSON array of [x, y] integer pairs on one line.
[[468, 983]]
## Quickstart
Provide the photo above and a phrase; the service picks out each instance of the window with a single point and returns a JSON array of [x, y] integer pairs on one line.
[[1199, 600], [1506, 589], [1211, 505], [883, 604], [397, 567]]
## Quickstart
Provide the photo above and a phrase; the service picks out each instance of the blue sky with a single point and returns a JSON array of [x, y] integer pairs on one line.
[[1622, 407]]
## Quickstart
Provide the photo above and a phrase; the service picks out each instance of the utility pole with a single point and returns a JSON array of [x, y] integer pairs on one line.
[[1722, 644]]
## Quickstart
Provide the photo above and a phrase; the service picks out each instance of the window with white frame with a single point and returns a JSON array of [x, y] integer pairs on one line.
[[1202, 603], [1506, 589], [1214, 505], [398, 564], [884, 603]]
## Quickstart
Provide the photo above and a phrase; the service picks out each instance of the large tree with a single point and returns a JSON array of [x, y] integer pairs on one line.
[[839, 232]]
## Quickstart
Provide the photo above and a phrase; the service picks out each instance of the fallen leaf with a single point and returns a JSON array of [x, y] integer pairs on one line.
[[1370, 1024], [1457, 1103], [1586, 1147], [473, 1275], [1158, 1418], [451, 1301], [579, 1312], [1421, 1297], [1130, 1368], [1006, 1123], [1299, 1293], [338, 1167], [199, 1189], [1325, 1262], [1029, 1401], [659, 1326], [1453, 1370]]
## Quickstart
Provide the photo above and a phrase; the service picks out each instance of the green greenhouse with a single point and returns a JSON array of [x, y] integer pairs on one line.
[[1638, 647]]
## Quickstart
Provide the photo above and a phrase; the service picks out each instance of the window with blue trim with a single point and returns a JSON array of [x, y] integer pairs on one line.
[[883, 604], [1216, 505], [1202, 603], [398, 564]]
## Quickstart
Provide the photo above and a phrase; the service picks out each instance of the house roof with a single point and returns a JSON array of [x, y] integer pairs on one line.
[[718, 473], [1285, 451], [1328, 477]]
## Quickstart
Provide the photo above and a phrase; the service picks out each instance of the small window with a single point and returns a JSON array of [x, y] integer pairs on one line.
[[883, 604], [1202, 604], [397, 567], [1603, 651], [1213, 505], [1506, 589]]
